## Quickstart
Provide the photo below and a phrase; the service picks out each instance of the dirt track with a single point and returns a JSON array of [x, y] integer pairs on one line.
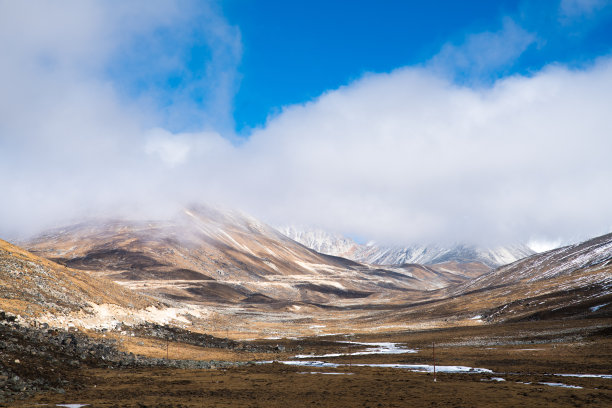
[[518, 353]]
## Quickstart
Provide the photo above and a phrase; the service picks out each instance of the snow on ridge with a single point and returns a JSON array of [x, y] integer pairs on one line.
[[372, 253], [594, 253], [319, 240]]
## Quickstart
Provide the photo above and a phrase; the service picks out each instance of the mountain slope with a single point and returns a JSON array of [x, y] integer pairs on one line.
[[212, 255], [32, 286], [570, 282], [234, 265], [337, 245], [593, 255], [431, 254]]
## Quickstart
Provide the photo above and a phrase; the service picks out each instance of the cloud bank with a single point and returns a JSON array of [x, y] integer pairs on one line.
[[84, 87], [409, 156], [400, 157]]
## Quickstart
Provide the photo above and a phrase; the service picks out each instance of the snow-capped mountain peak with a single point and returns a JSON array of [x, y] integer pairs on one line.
[[373, 253], [320, 240]]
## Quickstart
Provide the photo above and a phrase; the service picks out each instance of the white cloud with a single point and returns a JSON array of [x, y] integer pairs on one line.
[[483, 53], [171, 149], [73, 141], [398, 157], [175, 149], [409, 157]]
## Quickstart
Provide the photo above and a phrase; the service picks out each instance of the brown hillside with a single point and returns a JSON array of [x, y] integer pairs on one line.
[[31, 285]]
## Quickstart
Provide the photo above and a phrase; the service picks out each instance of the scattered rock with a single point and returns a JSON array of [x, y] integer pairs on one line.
[[54, 357]]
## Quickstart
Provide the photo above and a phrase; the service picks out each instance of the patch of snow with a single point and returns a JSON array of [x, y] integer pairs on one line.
[[110, 317], [553, 384], [412, 367], [317, 268], [272, 265], [606, 376], [596, 308], [380, 348], [375, 348], [71, 405], [319, 240], [237, 244], [426, 368], [323, 373], [305, 363], [319, 356]]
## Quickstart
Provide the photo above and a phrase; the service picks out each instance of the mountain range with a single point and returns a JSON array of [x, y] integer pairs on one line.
[[372, 253], [208, 261], [208, 255]]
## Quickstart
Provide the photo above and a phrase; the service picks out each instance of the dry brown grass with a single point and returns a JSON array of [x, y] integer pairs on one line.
[[32, 285], [180, 351], [278, 385]]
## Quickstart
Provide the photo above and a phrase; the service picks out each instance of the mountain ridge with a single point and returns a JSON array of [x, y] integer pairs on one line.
[[372, 253], [207, 266]]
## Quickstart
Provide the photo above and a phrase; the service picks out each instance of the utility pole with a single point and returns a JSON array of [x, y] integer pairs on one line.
[[433, 347]]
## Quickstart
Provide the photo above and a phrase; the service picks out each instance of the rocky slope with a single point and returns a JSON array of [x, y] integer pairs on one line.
[[33, 286], [371, 253], [35, 359], [40, 291]]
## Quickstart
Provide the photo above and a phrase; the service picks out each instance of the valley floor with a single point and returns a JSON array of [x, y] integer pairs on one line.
[[531, 364]]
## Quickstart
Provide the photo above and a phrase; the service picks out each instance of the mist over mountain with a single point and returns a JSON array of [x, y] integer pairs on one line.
[[205, 254], [87, 131]]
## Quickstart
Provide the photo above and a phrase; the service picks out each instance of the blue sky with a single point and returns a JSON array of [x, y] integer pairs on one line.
[[291, 52], [294, 51], [403, 122]]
